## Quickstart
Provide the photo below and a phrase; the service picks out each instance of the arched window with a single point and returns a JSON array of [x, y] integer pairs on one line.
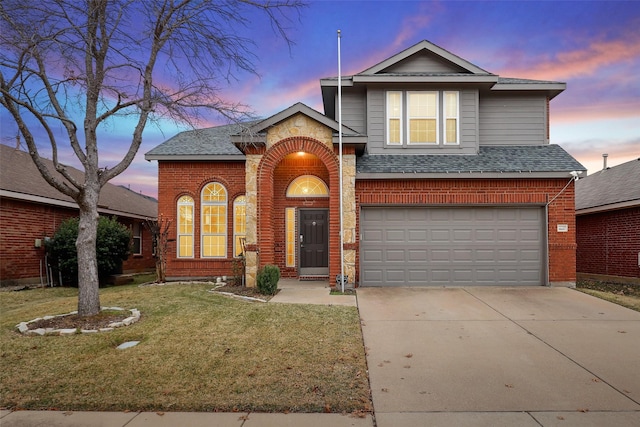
[[214, 221], [185, 227], [307, 186], [239, 224]]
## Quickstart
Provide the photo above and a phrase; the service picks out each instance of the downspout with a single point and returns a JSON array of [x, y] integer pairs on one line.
[[340, 161]]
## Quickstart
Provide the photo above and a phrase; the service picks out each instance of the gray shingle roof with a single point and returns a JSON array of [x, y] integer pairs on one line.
[[609, 186], [213, 141], [20, 176], [539, 158]]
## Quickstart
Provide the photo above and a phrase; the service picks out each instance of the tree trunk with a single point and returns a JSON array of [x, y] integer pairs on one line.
[[88, 285]]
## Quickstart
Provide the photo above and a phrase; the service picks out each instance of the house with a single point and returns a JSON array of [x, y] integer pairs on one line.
[[31, 211], [448, 179], [608, 224]]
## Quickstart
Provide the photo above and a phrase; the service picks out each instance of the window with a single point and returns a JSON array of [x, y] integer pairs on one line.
[[290, 242], [185, 227], [422, 121], [136, 232], [423, 117], [451, 114], [239, 224], [307, 186], [214, 221], [394, 118]]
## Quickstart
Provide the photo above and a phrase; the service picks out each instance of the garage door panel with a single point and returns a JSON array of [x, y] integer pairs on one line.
[[451, 246]]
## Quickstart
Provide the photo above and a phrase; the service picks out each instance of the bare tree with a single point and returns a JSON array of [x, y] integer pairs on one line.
[[79, 65], [160, 232]]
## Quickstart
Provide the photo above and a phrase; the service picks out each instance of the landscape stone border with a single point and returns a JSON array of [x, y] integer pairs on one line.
[[23, 327]]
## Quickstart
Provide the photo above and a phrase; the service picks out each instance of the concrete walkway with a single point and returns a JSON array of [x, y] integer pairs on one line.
[[500, 357], [456, 357]]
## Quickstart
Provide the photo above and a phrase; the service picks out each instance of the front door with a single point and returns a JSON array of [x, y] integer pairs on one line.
[[314, 242]]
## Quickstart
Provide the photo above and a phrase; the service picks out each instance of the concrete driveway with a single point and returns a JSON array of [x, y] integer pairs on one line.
[[496, 356]]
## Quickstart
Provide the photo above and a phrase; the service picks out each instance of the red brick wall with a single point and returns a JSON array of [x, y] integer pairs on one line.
[[609, 243], [176, 179], [22, 222], [538, 192]]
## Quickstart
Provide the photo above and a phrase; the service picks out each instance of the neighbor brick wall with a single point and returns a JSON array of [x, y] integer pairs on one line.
[[451, 192], [609, 243], [176, 179], [22, 222]]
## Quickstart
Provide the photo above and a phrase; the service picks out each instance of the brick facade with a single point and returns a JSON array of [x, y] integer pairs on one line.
[[609, 243], [24, 222], [176, 179]]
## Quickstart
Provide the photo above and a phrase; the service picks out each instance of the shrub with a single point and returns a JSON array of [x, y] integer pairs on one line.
[[267, 279], [112, 247]]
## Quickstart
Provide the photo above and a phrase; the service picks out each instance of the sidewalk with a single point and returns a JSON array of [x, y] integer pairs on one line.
[[173, 419]]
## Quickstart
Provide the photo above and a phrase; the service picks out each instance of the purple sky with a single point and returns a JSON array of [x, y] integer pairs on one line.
[[592, 46]]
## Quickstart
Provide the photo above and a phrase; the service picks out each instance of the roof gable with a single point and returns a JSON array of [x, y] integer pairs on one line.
[[610, 188], [424, 57], [292, 111]]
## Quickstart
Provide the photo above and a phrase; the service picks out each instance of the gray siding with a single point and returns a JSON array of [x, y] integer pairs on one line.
[[469, 118], [354, 114], [513, 119], [424, 62]]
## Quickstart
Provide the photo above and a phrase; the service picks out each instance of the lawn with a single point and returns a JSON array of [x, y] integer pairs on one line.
[[626, 295], [198, 351]]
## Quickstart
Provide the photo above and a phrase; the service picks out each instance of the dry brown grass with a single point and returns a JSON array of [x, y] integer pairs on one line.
[[198, 351]]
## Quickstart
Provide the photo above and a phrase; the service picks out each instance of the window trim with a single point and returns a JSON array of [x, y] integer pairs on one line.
[[182, 201], [222, 204], [441, 117], [445, 117]]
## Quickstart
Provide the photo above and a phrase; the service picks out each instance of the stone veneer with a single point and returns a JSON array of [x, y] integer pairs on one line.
[[299, 125]]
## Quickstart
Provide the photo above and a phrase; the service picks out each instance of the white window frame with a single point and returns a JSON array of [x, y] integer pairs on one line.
[[290, 236], [223, 204], [409, 117], [136, 237], [445, 117], [390, 116], [238, 202], [192, 205]]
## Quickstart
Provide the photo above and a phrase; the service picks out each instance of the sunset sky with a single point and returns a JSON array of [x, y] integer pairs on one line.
[[593, 46]]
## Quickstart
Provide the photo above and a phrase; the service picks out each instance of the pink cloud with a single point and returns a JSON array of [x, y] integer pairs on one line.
[[585, 61], [588, 112]]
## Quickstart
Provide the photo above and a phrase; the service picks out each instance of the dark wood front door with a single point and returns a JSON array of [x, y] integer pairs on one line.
[[314, 242]]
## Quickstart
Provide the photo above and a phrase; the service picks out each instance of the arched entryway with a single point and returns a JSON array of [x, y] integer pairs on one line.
[[286, 161]]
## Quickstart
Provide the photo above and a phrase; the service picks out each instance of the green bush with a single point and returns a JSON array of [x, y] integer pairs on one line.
[[267, 279], [112, 247]]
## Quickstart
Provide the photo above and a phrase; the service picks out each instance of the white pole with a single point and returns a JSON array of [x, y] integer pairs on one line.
[[340, 161]]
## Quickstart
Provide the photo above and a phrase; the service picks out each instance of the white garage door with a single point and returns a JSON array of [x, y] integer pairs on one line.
[[468, 246]]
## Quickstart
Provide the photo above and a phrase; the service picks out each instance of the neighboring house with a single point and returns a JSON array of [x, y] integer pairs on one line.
[[31, 211], [448, 179], [608, 223]]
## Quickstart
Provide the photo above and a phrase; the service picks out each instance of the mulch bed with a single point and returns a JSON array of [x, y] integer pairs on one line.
[[74, 321]]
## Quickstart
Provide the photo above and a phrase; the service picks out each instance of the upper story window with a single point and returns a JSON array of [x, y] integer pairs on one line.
[[422, 117], [214, 221], [451, 117], [307, 186], [417, 118], [185, 227], [394, 118]]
